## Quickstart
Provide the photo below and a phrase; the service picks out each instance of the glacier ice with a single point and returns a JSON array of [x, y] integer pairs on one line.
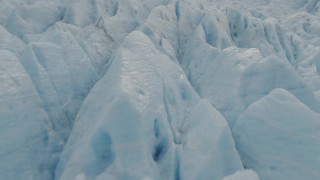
[[166, 89], [278, 137], [158, 126], [244, 174]]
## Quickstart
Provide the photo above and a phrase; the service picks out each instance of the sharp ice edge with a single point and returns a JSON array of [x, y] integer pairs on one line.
[[54, 53]]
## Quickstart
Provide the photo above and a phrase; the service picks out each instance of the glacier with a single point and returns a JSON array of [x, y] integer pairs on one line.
[[163, 89]]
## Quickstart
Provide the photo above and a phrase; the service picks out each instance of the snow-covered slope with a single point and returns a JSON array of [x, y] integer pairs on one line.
[[161, 89]]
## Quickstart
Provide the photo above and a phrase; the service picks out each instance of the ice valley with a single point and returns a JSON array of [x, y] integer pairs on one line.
[[159, 89]]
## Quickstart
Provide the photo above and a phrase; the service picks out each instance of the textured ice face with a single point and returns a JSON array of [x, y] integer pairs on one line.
[[159, 127], [278, 137], [140, 89]]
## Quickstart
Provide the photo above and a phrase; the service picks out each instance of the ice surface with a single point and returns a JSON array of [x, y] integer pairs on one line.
[[278, 137], [241, 175], [153, 122], [140, 89]]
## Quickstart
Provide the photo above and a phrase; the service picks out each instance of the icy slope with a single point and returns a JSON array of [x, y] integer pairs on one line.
[[150, 120], [140, 89], [286, 137]]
